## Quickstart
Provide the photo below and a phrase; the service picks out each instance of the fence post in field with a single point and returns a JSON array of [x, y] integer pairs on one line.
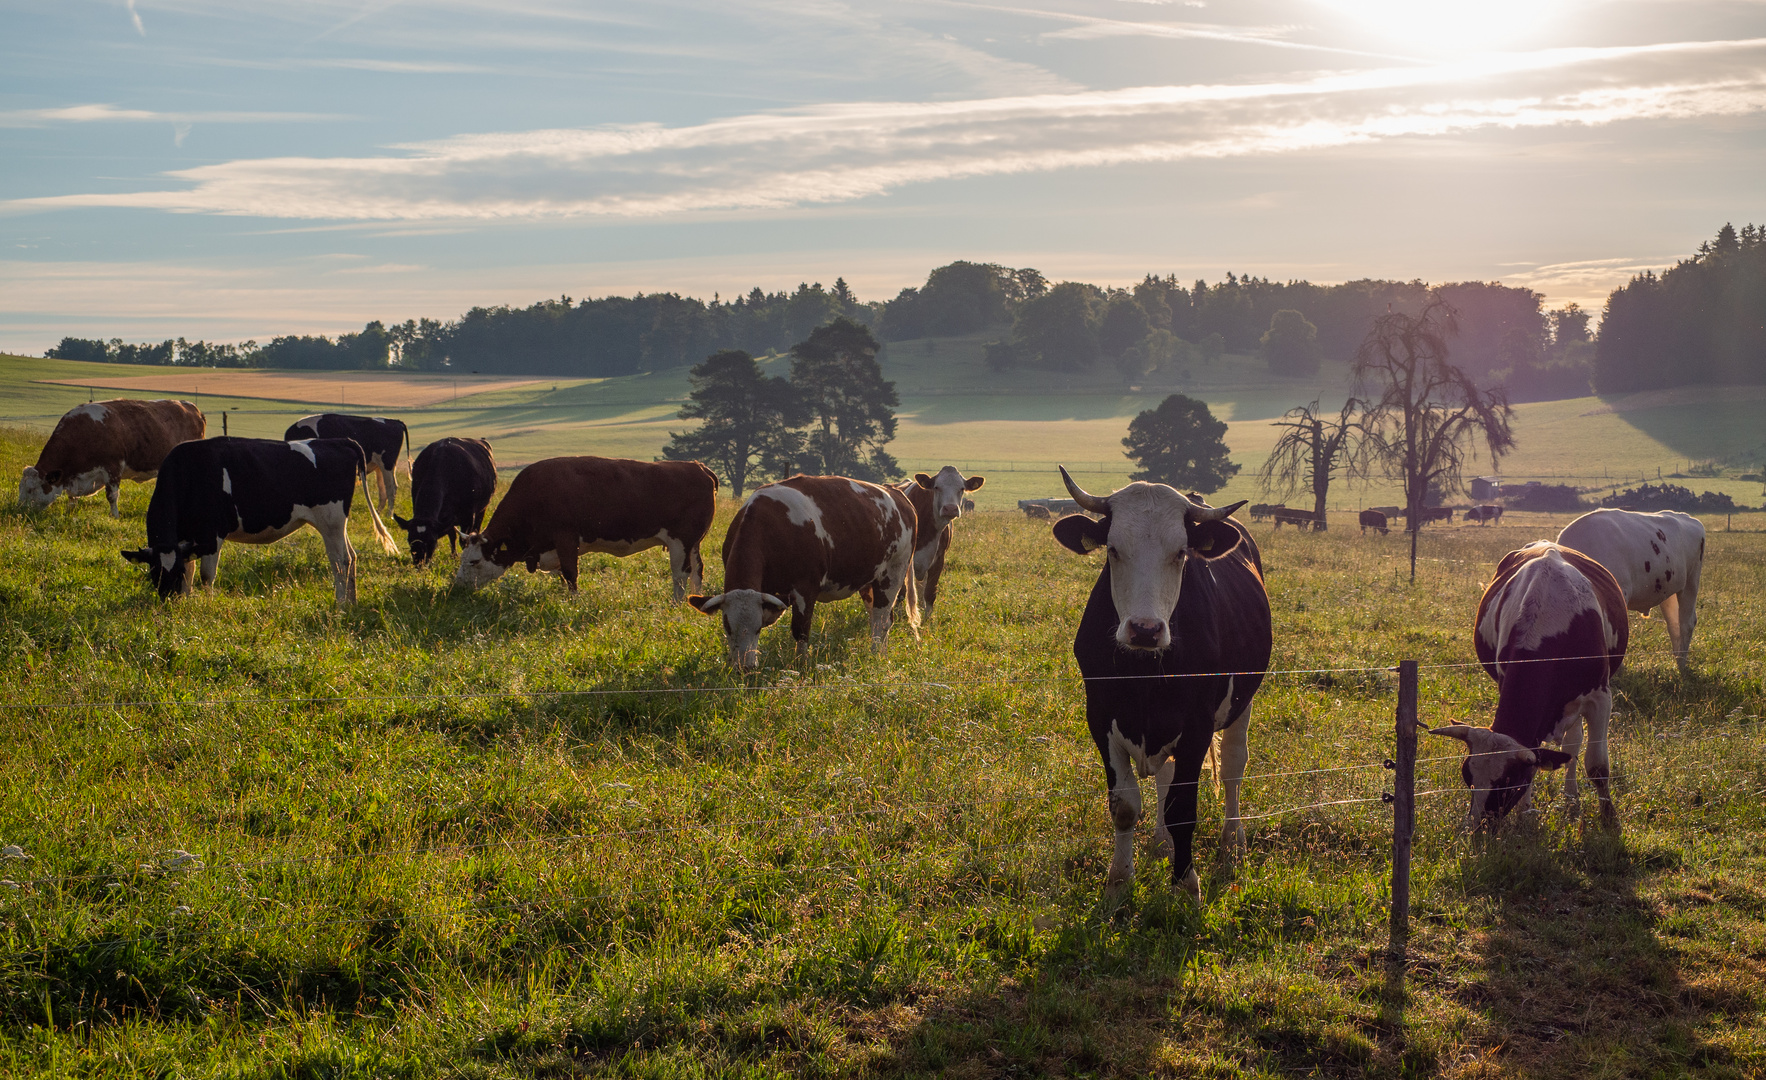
[[1403, 806], [223, 422]]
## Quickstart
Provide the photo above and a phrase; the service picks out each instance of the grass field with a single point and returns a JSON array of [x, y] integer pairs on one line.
[[1013, 431], [515, 833]]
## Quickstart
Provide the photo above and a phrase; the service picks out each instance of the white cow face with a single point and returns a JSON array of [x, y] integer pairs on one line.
[[477, 566], [746, 613], [1150, 532], [33, 493], [1499, 771], [948, 489]]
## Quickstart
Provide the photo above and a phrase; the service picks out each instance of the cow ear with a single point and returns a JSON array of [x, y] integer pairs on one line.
[[1212, 539], [140, 555], [1079, 533], [706, 604], [974, 483], [403, 523], [1552, 759], [923, 480]]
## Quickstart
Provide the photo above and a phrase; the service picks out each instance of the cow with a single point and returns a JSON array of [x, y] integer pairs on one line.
[[1261, 511], [1432, 513], [452, 481], [1036, 512], [1373, 519], [1173, 644], [938, 502], [559, 508], [1298, 518], [252, 491], [379, 438], [1551, 630], [102, 443], [1484, 513], [1390, 511], [1655, 558], [809, 539]]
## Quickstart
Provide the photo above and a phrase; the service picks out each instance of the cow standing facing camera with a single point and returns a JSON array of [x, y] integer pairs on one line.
[[1174, 642], [1551, 630], [938, 502], [452, 481]]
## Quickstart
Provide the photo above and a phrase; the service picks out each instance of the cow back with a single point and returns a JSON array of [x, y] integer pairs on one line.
[[808, 531], [122, 432], [211, 488], [451, 473]]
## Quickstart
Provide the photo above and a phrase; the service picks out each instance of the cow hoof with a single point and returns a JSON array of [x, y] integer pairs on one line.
[[1191, 886], [1162, 847], [1232, 840]]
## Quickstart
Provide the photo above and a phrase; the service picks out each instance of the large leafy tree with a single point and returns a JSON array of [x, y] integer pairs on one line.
[[748, 417], [1424, 416], [850, 406], [1313, 446], [1290, 345], [1180, 443]]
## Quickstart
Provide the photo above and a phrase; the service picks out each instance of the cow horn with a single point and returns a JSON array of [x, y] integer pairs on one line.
[[1215, 513], [1454, 731], [1085, 499]]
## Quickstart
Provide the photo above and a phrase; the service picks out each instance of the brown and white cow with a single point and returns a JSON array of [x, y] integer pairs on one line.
[[1655, 558], [102, 443], [1552, 631], [938, 502], [560, 508], [1484, 513], [809, 539]]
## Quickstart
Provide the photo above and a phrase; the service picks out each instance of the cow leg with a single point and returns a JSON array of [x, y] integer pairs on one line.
[[1232, 751], [678, 567], [210, 565], [389, 489], [1178, 810], [567, 550], [1162, 846], [336, 536], [1572, 745], [113, 491], [1597, 712], [1125, 811], [801, 614], [695, 569], [882, 616]]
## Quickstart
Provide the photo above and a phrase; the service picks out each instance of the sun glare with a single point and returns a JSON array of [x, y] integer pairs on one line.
[[1451, 25]]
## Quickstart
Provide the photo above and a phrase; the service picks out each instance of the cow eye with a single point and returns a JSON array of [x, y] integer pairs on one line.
[[1111, 550]]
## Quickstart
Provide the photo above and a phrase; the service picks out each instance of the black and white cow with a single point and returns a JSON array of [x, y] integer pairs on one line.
[[1173, 644], [1656, 559], [252, 491], [452, 481], [379, 437], [1552, 631], [938, 502]]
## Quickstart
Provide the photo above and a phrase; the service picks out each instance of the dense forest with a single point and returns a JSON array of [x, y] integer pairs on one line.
[[1704, 315]]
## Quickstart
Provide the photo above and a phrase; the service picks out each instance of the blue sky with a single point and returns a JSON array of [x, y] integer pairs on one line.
[[230, 170]]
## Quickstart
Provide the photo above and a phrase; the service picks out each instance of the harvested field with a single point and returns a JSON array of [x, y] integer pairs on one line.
[[349, 389]]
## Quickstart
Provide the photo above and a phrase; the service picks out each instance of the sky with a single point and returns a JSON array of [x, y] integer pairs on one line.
[[231, 170]]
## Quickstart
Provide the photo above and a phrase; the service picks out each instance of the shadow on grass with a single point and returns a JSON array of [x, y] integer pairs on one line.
[[1572, 976]]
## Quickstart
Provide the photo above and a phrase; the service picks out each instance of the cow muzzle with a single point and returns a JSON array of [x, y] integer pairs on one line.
[[1144, 634]]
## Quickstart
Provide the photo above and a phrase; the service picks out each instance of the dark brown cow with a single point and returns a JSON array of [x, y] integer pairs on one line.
[[1484, 514], [102, 443], [808, 539], [1434, 513], [1298, 518], [562, 507], [1552, 631], [1373, 519], [938, 502]]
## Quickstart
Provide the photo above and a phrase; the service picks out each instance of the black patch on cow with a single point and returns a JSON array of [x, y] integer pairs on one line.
[[1082, 534]]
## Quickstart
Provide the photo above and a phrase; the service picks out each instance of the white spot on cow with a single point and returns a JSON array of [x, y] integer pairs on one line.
[[304, 446], [83, 484], [800, 509], [1149, 544], [226, 483], [1537, 603], [92, 410], [166, 558], [31, 491], [475, 570]]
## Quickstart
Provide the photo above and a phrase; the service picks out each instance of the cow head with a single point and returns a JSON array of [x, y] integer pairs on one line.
[[746, 613], [947, 489], [423, 536], [170, 571], [1150, 532], [1499, 771], [481, 562], [35, 491]]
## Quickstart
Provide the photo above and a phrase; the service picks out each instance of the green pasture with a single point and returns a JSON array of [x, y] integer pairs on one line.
[[1016, 429], [521, 834]]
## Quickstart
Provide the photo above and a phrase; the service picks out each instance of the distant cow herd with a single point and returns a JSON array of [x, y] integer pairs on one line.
[[1172, 644]]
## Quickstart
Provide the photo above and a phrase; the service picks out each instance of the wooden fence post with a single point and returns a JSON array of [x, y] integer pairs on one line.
[[1403, 806]]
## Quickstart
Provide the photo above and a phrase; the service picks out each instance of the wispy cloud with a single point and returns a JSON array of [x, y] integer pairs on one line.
[[836, 153], [111, 114], [135, 17]]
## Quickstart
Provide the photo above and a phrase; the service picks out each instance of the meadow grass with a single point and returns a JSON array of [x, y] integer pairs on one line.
[[517, 833]]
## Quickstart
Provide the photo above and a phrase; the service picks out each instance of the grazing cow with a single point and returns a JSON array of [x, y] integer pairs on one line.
[[1551, 631], [102, 443], [252, 491], [379, 438], [1298, 518], [1261, 511], [1036, 512], [808, 539], [452, 481], [1373, 519], [1173, 643], [559, 508], [938, 502], [1484, 513], [1432, 513], [1655, 558]]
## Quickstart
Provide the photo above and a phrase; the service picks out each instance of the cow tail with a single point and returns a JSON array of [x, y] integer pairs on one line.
[[910, 587], [408, 462], [380, 533], [1213, 759]]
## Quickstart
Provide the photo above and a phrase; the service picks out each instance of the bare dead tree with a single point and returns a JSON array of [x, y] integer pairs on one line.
[[1311, 449], [1424, 415]]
